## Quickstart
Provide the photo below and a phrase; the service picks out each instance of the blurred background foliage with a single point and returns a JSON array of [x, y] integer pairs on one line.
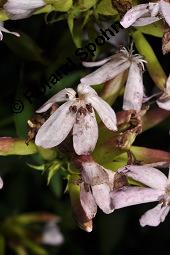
[[27, 63]]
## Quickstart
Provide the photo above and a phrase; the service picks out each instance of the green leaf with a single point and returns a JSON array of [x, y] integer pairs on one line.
[[39, 168], [24, 47], [47, 154], [53, 169], [12, 146], [105, 8], [153, 66], [22, 116], [2, 245], [3, 15], [60, 5], [86, 4], [155, 29], [19, 250], [34, 248], [75, 29]]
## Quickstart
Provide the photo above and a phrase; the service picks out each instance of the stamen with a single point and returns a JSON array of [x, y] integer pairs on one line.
[[73, 108], [82, 110], [89, 107]]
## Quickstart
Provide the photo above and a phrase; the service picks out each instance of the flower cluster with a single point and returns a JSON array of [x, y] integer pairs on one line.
[[145, 14], [76, 118], [74, 122]]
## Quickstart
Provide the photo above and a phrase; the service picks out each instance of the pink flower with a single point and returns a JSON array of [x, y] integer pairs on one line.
[[95, 189], [76, 114], [157, 189], [116, 64], [145, 14]]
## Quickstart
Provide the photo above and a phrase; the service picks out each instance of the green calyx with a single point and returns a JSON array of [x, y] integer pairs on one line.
[[60, 5]]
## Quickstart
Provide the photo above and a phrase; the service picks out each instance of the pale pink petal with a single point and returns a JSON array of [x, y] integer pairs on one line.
[[154, 216], [154, 8], [24, 4], [2, 29], [85, 133], [149, 176], [111, 176], [1, 183], [165, 9], [133, 14], [52, 234], [164, 104], [134, 90], [101, 195], [83, 89], [106, 113], [56, 128], [96, 63], [87, 201], [107, 71], [1, 36], [128, 196], [62, 96], [145, 21], [93, 173]]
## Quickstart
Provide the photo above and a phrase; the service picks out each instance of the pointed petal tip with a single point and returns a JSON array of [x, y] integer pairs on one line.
[[87, 226]]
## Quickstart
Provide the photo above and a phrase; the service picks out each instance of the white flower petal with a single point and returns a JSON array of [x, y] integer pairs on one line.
[[107, 71], [145, 21], [24, 4], [164, 104], [85, 133], [101, 195], [128, 196], [149, 176], [105, 112], [52, 234], [154, 216], [18, 9], [83, 89], [87, 201], [1, 36], [56, 128], [165, 9], [63, 95], [2, 29], [111, 176], [133, 14], [134, 90], [96, 63], [1, 183], [94, 174], [154, 8]]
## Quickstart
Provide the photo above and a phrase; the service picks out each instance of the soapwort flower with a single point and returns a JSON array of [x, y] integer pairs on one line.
[[157, 189], [145, 14], [2, 29], [77, 113], [164, 101], [52, 234], [116, 64], [97, 183], [18, 9]]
